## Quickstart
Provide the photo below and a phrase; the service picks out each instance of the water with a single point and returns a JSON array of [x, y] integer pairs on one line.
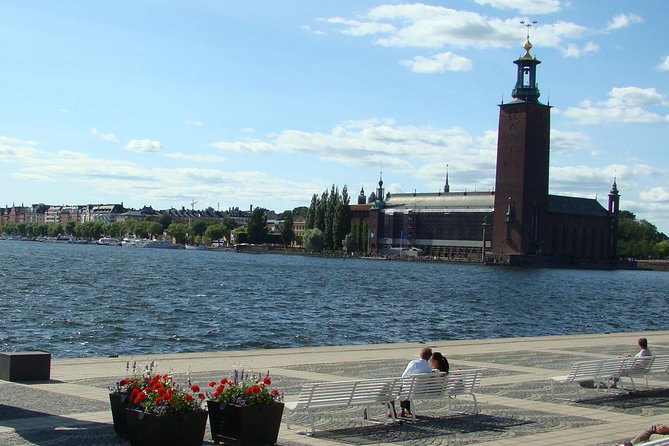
[[87, 300]]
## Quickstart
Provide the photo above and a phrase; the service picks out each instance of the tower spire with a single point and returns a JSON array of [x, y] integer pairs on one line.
[[526, 83], [447, 188]]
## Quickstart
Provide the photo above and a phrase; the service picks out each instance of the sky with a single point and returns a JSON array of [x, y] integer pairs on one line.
[[224, 103]]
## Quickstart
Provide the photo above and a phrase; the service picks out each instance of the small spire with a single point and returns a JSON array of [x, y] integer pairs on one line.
[[447, 188], [614, 186]]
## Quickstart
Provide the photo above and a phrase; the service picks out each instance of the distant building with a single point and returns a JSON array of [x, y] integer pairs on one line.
[[517, 223]]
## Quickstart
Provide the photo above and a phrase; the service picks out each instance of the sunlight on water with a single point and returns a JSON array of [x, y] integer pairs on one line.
[[85, 300]]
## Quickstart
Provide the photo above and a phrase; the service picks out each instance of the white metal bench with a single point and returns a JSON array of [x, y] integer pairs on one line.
[[601, 370], [438, 386], [464, 382], [328, 395], [366, 392], [660, 442]]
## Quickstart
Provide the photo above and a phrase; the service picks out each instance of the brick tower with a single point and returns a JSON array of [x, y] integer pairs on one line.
[[521, 183]]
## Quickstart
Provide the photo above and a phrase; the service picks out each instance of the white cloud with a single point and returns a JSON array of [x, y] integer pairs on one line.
[[655, 194], [13, 149], [143, 145], [623, 21], [624, 105], [206, 159], [193, 122], [419, 25], [438, 63], [576, 51], [104, 135], [253, 146], [311, 30], [664, 64], [569, 141], [525, 6]]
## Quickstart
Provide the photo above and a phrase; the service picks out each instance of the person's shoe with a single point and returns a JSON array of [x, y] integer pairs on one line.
[[403, 413]]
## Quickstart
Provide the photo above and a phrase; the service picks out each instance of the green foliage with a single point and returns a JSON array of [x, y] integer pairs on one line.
[[349, 243], [178, 232], [256, 228], [165, 220], [330, 213], [287, 231], [313, 240], [639, 238]]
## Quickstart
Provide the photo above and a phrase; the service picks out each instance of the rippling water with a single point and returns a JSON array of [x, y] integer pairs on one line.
[[87, 300]]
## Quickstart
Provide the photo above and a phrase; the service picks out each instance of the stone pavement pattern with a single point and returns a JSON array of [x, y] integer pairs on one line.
[[516, 407]]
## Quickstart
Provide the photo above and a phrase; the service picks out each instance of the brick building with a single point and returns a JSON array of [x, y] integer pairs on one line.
[[518, 223]]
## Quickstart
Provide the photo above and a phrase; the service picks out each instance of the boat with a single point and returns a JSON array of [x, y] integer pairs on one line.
[[161, 244], [134, 242], [107, 241], [198, 247]]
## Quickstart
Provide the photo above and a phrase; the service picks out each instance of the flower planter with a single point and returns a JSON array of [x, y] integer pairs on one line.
[[119, 402], [237, 425], [145, 429]]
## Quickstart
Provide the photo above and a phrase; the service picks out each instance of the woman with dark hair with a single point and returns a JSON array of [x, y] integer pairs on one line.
[[439, 363]]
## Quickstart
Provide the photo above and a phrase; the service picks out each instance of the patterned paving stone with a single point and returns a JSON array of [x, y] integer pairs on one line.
[[20, 401], [437, 425], [380, 369]]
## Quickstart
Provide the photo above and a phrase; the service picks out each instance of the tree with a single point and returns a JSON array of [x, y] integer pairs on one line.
[[312, 213], [342, 218], [319, 222], [54, 229], [313, 240], [178, 232], [257, 226], [638, 239], [198, 227], [349, 243], [214, 232], [69, 227], [165, 220], [287, 231]]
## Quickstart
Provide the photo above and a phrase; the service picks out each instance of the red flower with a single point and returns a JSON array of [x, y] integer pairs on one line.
[[267, 381], [139, 397], [188, 398], [275, 392], [195, 388], [201, 395], [212, 384], [124, 382]]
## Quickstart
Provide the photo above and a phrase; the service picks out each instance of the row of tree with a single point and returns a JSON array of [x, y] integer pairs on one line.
[[330, 215], [640, 239], [199, 231]]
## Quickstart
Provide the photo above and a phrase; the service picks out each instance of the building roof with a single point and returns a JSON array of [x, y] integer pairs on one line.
[[576, 205], [450, 200]]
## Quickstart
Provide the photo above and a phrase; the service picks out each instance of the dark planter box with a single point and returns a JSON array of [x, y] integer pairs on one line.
[[25, 366], [246, 425], [146, 429], [119, 402]]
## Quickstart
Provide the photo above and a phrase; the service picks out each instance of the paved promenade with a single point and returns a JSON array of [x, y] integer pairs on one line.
[[515, 401]]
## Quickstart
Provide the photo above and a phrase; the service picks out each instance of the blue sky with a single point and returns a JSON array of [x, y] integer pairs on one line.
[[264, 103]]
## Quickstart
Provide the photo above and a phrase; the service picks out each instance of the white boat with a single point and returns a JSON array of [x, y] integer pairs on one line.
[[199, 247], [161, 244], [134, 242], [107, 241]]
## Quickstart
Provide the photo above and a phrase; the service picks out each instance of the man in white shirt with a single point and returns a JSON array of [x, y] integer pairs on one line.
[[416, 367], [420, 365]]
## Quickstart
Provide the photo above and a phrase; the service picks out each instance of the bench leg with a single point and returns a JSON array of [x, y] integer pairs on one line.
[[312, 423], [476, 404]]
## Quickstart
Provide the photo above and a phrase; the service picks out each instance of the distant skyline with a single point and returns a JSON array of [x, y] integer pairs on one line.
[[265, 102]]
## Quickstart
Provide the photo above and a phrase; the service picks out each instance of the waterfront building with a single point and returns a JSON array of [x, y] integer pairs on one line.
[[517, 223]]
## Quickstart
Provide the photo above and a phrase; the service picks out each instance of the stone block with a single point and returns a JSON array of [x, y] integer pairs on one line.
[[25, 366]]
